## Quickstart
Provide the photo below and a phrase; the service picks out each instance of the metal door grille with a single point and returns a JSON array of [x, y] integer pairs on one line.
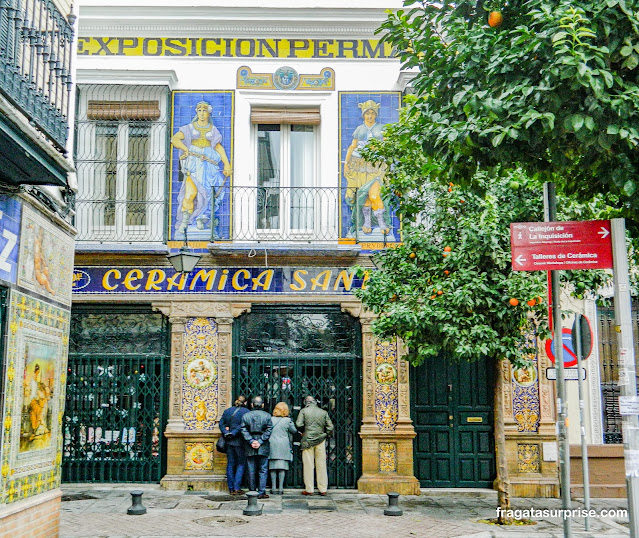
[[609, 368], [285, 355], [117, 398]]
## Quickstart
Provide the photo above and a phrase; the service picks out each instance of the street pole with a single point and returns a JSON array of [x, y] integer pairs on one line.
[[582, 423], [627, 375], [550, 215]]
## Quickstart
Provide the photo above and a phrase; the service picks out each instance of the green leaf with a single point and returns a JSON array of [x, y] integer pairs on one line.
[[577, 121], [612, 129], [626, 51]]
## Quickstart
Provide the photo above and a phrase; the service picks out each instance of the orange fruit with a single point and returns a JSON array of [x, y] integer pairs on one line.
[[445, 254], [532, 302], [433, 296], [447, 272], [495, 18], [513, 302], [394, 297], [462, 201], [412, 255], [440, 292], [450, 189], [539, 300], [447, 249]]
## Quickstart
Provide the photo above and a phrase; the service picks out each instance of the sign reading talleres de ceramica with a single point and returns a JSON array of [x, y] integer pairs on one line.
[[243, 280], [226, 47]]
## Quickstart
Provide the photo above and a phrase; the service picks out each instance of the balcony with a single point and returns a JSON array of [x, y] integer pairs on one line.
[[300, 215], [35, 64], [294, 221]]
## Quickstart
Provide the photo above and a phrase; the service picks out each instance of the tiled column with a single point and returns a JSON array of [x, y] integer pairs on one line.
[[200, 391], [387, 432], [529, 426]]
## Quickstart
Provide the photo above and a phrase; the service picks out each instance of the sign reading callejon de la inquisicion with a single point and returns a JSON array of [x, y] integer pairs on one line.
[[276, 280]]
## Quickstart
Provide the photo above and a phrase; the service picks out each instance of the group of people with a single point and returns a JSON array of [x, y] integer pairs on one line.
[[259, 443]]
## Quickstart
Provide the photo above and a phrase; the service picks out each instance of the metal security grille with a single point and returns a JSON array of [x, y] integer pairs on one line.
[[117, 397], [609, 368], [285, 354]]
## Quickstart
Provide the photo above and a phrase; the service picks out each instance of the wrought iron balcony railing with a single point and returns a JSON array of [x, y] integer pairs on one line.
[[290, 214], [35, 63], [244, 214]]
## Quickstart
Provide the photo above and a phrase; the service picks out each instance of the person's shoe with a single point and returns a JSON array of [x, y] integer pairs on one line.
[[240, 492], [306, 493], [273, 492], [263, 496], [281, 492], [232, 492], [323, 493]]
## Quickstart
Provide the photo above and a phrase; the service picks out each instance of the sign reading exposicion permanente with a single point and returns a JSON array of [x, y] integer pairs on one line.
[[226, 47]]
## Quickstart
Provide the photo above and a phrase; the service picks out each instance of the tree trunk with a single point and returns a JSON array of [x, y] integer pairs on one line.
[[502, 482]]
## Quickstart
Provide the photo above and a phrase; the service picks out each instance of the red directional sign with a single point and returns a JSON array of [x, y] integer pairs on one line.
[[547, 246]]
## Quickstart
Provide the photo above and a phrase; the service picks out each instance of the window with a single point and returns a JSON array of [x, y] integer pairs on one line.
[[286, 172], [120, 157]]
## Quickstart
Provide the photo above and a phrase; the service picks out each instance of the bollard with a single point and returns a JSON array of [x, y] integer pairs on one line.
[[136, 508], [393, 505], [252, 509]]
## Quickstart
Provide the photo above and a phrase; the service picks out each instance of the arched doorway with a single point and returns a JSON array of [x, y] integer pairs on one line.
[[285, 353]]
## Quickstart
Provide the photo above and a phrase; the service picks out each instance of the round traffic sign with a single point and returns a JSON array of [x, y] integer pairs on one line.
[[570, 356]]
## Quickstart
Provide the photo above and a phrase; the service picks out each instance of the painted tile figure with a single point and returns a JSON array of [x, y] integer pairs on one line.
[[367, 214], [37, 392], [203, 183]]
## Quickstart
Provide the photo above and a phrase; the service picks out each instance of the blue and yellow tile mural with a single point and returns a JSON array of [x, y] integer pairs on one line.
[[366, 215], [201, 165]]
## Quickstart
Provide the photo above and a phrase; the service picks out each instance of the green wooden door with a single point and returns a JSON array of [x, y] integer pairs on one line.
[[287, 353], [452, 412]]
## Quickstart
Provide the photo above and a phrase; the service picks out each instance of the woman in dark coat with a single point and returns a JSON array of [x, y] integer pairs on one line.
[[281, 446]]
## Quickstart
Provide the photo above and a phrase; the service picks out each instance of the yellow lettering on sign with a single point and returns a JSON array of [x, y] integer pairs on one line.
[[217, 47], [171, 282], [235, 281], [222, 282], [156, 276], [263, 280], [326, 275], [133, 274], [301, 283], [346, 277], [367, 275], [205, 276], [106, 284]]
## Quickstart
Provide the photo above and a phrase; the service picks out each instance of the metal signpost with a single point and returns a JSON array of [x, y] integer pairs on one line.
[[552, 246], [627, 375], [582, 343]]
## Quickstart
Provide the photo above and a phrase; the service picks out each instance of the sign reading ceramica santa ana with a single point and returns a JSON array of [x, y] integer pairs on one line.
[[224, 47], [277, 280]]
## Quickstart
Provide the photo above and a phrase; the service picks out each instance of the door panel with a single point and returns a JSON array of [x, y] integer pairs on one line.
[[452, 409]]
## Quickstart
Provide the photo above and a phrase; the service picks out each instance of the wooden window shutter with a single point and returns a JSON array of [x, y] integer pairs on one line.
[[123, 110], [291, 116]]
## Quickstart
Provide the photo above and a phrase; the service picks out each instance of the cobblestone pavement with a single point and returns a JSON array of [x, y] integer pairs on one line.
[[99, 510]]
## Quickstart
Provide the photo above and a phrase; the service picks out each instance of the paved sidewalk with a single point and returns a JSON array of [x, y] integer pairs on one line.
[[99, 510]]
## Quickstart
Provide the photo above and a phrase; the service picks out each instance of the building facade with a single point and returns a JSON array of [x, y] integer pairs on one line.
[[233, 130], [36, 259]]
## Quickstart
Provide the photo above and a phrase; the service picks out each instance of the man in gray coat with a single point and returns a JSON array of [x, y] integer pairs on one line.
[[316, 426], [256, 429]]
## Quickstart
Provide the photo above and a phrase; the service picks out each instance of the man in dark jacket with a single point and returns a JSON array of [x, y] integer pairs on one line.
[[230, 425], [256, 430], [316, 426]]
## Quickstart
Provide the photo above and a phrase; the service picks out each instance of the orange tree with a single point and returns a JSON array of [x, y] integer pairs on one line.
[[449, 286], [553, 89]]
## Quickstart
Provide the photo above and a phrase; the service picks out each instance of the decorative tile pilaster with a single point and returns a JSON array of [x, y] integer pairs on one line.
[[200, 374]]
